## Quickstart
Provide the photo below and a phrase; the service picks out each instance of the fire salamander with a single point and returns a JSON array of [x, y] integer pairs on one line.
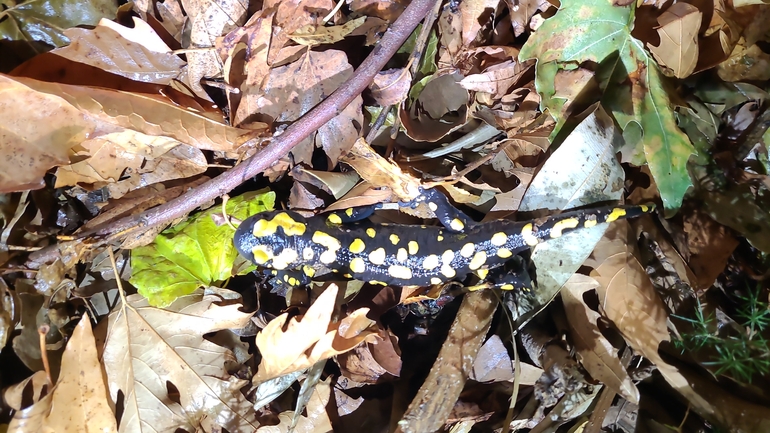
[[296, 249]]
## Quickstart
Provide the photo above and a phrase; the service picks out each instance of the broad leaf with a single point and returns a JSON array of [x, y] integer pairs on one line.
[[192, 254], [634, 91]]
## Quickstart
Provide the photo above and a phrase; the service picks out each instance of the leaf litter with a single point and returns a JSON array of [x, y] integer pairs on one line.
[[124, 127]]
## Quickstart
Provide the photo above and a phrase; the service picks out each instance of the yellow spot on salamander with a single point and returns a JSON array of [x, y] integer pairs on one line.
[[310, 272], [357, 246], [377, 256], [401, 255], [457, 225], [284, 259], [504, 253], [357, 265], [499, 239], [379, 283], [430, 262], [439, 237], [261, 254], [558, 228], [528, 236], [478, 260], [448, 271], [435, 281], [482, 273], [590, 222], [506, 287], [432, 206], [371, 232], [290, 227], [400, 272], [331, 243], [413, 247], [347, 275], [349, 212], [447, 257], [615, 214], [326, 240], [467, 250], [394, 239], [334, 219]]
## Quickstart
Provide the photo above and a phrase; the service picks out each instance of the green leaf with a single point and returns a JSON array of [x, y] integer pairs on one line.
[[44, 21], [633, 87], [192, 254]]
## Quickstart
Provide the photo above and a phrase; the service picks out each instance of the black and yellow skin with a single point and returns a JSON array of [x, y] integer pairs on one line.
[[300, 248]]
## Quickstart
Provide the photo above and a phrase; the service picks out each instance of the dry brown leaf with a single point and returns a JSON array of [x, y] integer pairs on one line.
[[368, 362], [387, 10], [147, 349], [316, 418], [596, 353], [678, 49], [441, 108], [294, 89], [494, 364], [745, 64], [209, 19], [476, 15], [290, 15], [143, 113], [310, 338], [38, 132], [391, 87], [138, 53], [78, 402], [497, 80], [522, 12], [311, 35], [144, 159], [380, 172], [628, 299]]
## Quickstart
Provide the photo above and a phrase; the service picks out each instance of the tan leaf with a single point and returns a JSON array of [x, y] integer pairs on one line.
[[745, 63], [148, 348], [78, 402], [311, 35], [596, 353], [209, 19], [149, 160], [309, 338], [628, 299], [317, 419], [678, 49], [144, 57], [143, 113], [497, 80], [38, 130], [294, 89], [476, 14]]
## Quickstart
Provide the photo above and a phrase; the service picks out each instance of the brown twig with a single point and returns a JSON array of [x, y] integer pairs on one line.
[[281, 145]]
